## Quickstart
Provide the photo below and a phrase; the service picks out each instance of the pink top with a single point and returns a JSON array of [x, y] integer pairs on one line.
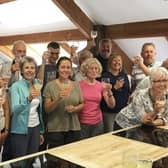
[[92, 95]]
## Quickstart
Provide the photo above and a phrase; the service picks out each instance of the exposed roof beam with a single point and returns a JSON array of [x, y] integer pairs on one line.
[[44, 37], [5, 1], [66, 47], [138, 29], [76, 15], [6, 51]]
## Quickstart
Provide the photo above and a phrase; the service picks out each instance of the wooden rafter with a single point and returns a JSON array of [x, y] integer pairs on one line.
[[66, 47], [76, 15], [5, 1], [139, 29], [6, 51], [44, 37]]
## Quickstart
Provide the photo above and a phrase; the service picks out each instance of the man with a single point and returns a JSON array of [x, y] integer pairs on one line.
[[47, 71], [105, 50], [143, 63], [19, 51]]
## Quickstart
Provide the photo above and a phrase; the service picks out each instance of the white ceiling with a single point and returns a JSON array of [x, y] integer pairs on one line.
[[109, 12], [32, 16]]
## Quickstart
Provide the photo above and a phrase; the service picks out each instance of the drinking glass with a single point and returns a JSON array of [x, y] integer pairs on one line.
[[144, 161], [144, 164], [2, 97], [129, 159], [93, 34], [105, 79], [38, 85], [160, 103], [6, 74]]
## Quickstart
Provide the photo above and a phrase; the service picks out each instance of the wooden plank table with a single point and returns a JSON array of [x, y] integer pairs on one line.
[[105, 151]]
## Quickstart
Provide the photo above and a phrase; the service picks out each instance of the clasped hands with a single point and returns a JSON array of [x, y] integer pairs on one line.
[[150, 118]]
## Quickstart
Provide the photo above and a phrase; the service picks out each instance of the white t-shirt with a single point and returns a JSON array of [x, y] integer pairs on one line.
[[33, 114]]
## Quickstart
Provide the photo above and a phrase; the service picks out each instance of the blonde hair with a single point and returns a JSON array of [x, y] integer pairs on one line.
[[85, 66], [84, 55], [111, 58]]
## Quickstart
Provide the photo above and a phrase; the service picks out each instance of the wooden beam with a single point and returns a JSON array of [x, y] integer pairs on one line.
[[7, 51], [65, 35], [127, 63], [138, 29], [5, 1], [66, 47], [76, 15]]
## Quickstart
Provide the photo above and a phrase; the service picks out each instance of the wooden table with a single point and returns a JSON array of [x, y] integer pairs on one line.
[[105, 151]]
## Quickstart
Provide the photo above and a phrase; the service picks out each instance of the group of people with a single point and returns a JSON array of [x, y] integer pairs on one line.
[[77, 103]]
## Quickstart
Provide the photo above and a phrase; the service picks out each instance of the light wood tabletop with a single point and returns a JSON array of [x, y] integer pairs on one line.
[[105, 151]]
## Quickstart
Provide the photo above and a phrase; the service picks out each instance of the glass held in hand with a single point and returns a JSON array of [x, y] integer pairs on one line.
[[105, 79], [93, 34], [45, 57], [129, 159], [2, 97], [160, 106], [38, 84], [6, 79]]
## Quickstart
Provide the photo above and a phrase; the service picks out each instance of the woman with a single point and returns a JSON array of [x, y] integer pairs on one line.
[[26, 123], [120, 88], [150, 106], [83, 55], [93, 91], [4, 113], [63, 101]]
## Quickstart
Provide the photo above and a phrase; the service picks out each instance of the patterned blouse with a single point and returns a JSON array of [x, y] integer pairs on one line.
[[141, 104]]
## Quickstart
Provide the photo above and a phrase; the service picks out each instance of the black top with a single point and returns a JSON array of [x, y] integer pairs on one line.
[[103, 62], [121, 95]]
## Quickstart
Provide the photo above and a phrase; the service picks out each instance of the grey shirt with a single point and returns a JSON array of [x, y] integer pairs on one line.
[[59, 119]]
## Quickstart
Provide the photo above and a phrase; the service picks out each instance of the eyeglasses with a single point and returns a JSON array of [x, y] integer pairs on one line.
[[161, 81]]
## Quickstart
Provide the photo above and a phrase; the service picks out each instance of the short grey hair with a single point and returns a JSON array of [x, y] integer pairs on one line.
[[158, 72], [25, 60], [18, 42], [85, 66], [105, 40]]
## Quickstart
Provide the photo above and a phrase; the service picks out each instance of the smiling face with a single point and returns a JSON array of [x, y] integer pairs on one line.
[[19, 50], [93, 71], [29, 70], [65, 69], [105, 49], [149, 54], [54, 55], [116, 63], [159, 81]]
